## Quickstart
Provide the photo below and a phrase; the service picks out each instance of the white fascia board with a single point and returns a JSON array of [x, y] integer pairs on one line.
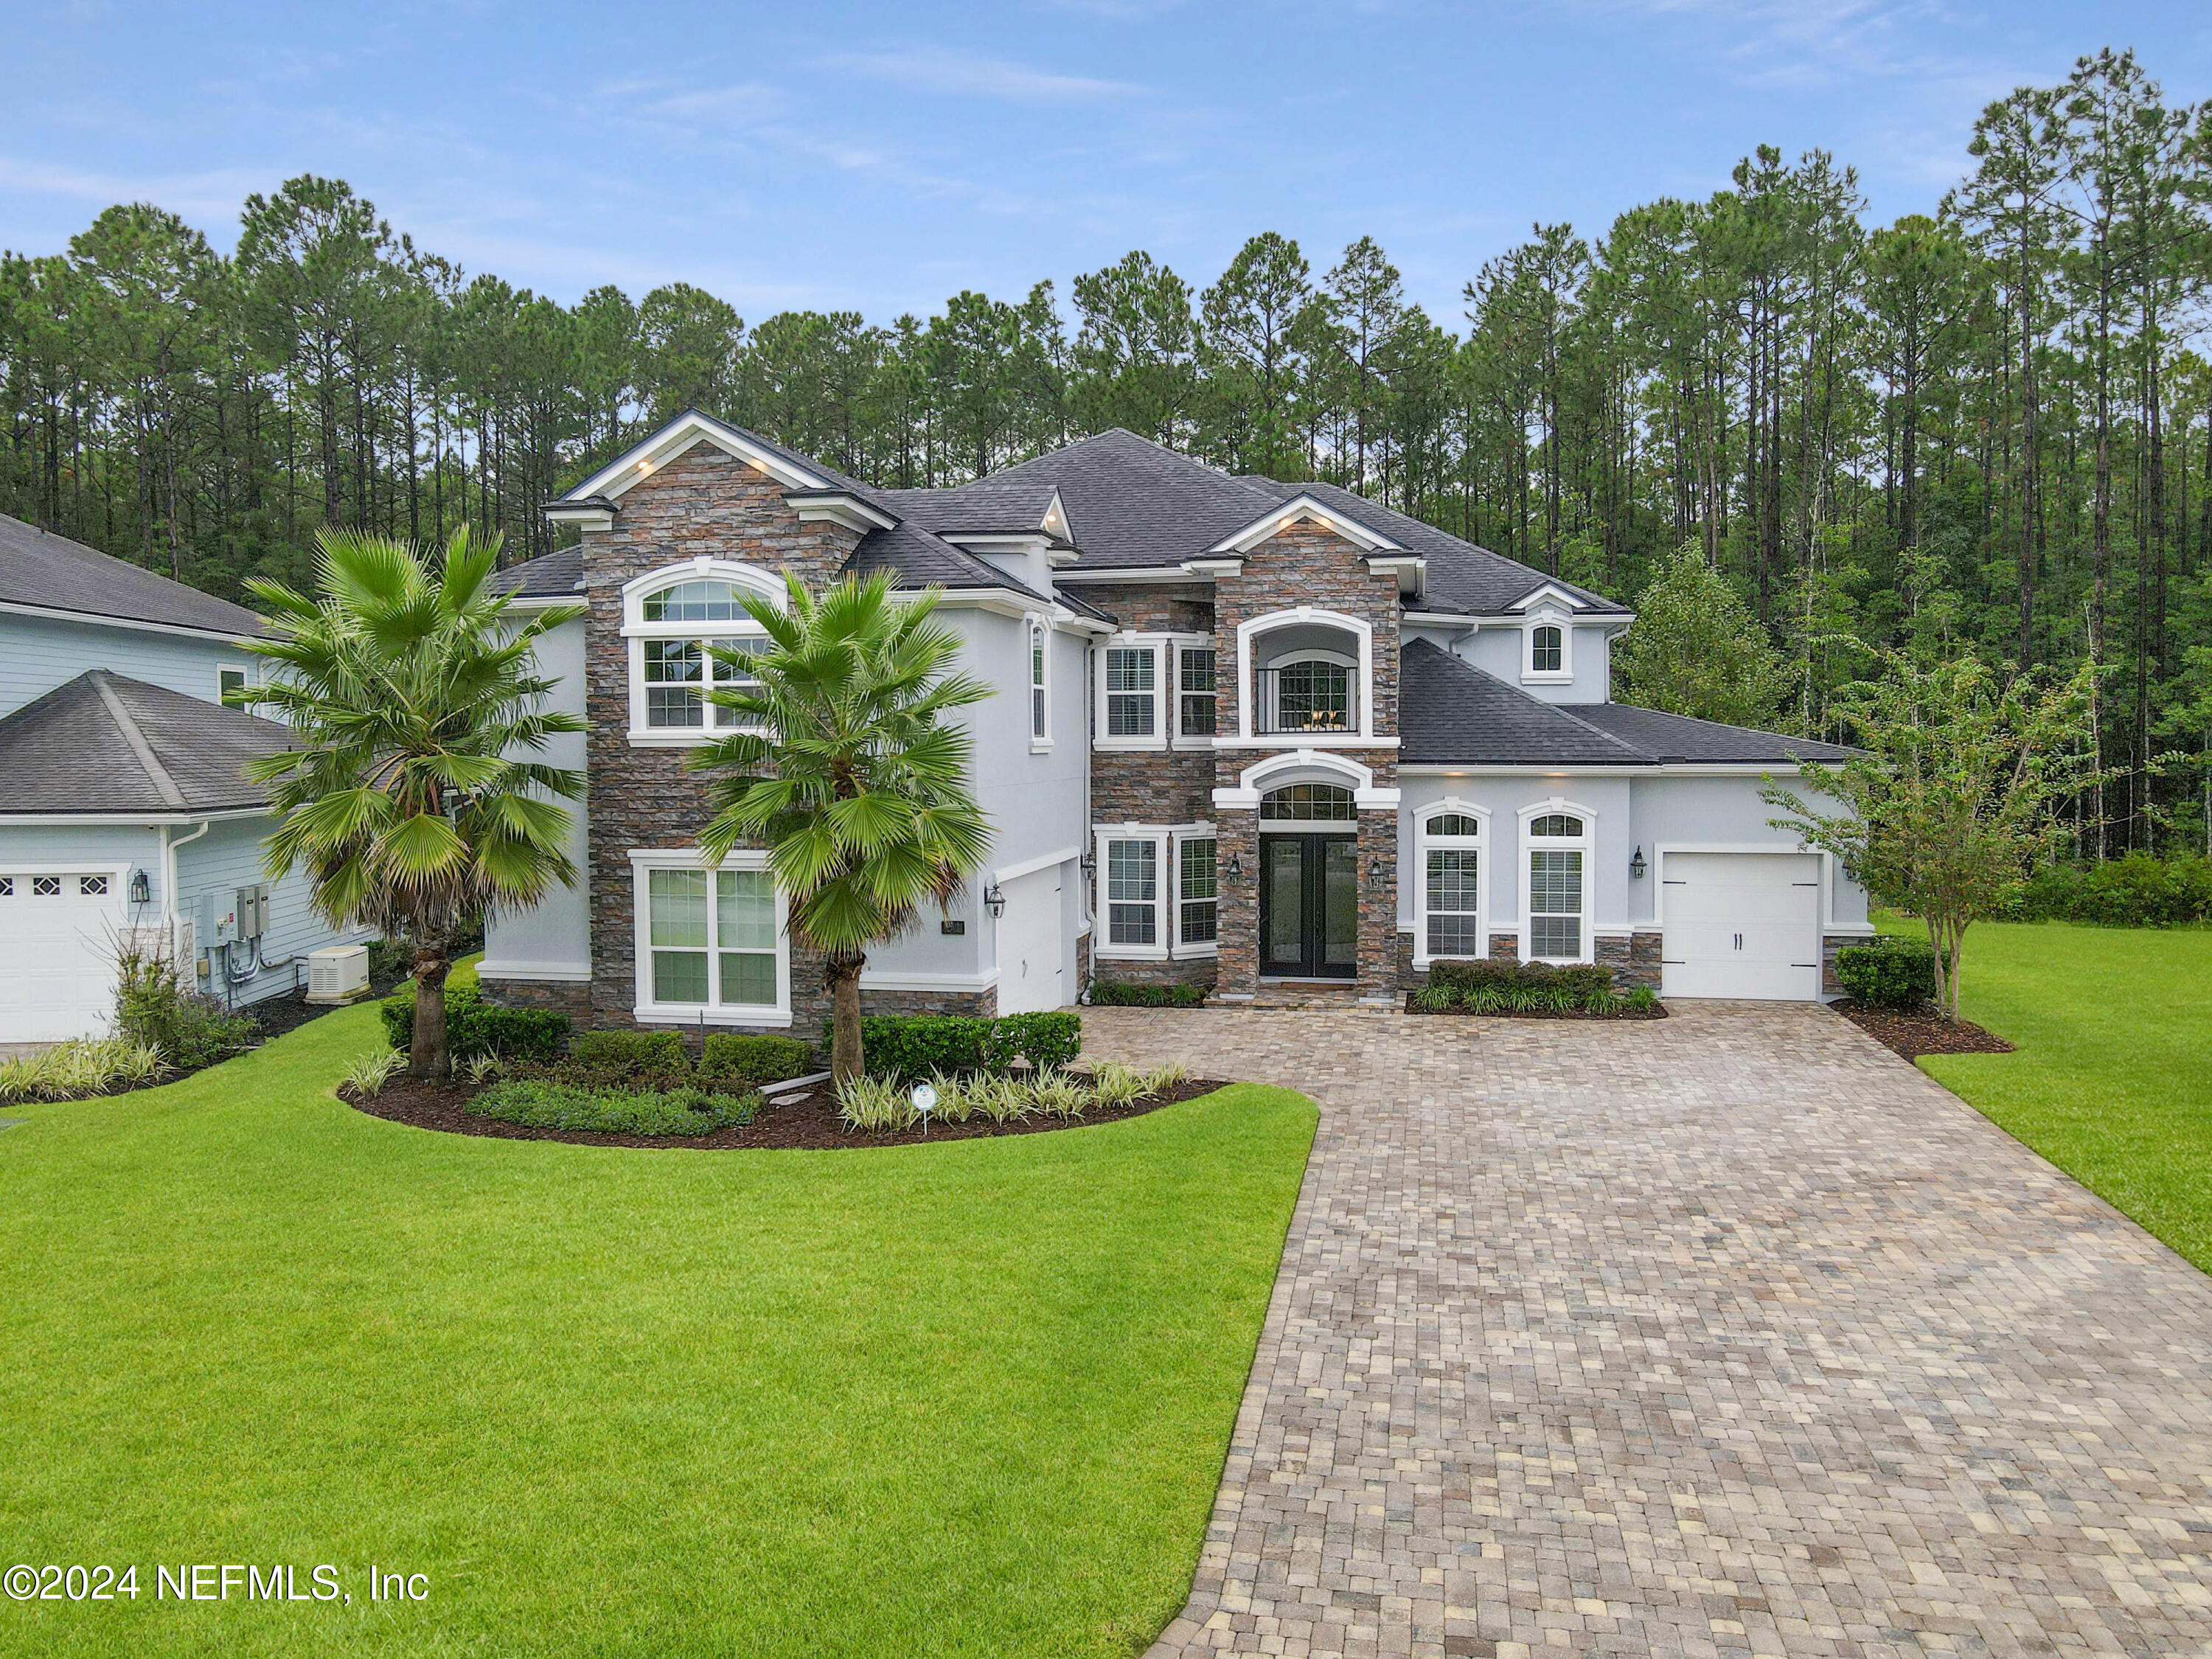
[[1146, 574], [129, 820], [1440, 619], [648, 457], [94, 619], [1411, 569], [544, 601], [1549, 593], [838, 506], [584, 516], [1632, 769], [1304, 507], [1208, 569], [1030, 866], [998, 541]]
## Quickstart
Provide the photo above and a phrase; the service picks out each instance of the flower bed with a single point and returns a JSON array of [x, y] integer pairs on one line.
[[1530, 990]]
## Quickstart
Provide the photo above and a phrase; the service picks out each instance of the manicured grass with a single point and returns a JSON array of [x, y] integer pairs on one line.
[[2113, 1079], [966, 1399]]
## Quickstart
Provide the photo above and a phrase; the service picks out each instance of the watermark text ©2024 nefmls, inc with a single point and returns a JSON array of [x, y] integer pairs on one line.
[[212, 1581]]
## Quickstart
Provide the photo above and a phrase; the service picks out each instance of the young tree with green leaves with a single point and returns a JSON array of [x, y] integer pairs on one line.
[[1695, 649], [848, 770], [1955, 796], [409, 800]]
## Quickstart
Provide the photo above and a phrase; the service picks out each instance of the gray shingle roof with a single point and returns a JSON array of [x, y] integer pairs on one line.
[[56, 574], [557, 575], [1003, 504], [103, 743], [1450, 713]]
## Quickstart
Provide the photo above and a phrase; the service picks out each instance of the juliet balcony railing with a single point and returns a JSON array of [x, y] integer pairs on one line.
[[1317, 698]]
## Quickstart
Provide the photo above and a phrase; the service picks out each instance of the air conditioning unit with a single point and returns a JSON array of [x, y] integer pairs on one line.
[[337, 974]]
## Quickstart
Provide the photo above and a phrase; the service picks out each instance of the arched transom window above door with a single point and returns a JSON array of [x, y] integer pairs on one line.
[[688, 634], [1307, 802]]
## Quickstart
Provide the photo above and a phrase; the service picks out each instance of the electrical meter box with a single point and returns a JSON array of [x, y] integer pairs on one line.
[[217, 922], [253, 909]]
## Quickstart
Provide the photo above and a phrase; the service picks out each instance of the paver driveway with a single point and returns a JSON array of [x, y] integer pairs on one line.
[[1726, 1334]]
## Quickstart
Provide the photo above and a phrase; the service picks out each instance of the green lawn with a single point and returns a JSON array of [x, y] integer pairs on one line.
[[2113, 1079], [967, 1399]]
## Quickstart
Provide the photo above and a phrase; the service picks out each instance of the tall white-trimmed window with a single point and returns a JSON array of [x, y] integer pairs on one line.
[[1131, 693], [689, 636], [1451, 848], [1545, 648], [1040, 685], [1132, 893], [1195, 692], [1198, 891], [711, 943], [1557, 850]]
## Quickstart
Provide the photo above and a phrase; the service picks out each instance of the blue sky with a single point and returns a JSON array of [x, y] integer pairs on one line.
[[881, 157]]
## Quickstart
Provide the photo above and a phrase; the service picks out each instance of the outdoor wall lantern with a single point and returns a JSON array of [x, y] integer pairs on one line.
[[994, 900], [1636, 866], [1374, 870], [1232, 865], [141, 890]]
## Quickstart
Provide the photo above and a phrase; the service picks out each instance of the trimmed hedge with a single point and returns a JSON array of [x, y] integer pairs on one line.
[[543, 1103], [1890, 973], [475, 1027], [1126, 994], [1491, 986], [732, 1058], [1586, 980], [908, 1046], [640, 1053]]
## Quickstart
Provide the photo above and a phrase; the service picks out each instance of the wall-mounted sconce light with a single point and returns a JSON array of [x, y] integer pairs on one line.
[[1232, 865], [1636, 866], [1375, 871], [994, 900], [141, 890], [1088, 865]]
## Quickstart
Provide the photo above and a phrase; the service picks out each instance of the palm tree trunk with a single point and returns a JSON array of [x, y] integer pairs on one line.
[[429, 1058], [844, 970]]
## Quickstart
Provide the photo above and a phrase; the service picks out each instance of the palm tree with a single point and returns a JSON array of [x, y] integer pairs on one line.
[[847, 772], [412, 689]]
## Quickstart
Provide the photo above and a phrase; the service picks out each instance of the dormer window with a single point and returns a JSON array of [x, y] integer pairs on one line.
[[689, 636], [1544, 650]]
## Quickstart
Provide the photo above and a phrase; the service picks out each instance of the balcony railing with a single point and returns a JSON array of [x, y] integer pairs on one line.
[[1306, 704]]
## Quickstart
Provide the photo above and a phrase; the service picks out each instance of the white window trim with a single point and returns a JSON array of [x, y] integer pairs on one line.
[[636, 631], [643, 862], [1251, 628], [244, 670], [1482, 843], [1197, 948], [1586, 844], [1163, 705], [1161, 838], [1306, 765], [1177, 644], [1033, 623], [1532, 675]]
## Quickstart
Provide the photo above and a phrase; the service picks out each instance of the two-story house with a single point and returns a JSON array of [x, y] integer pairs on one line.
[[126, 816], [1250, 733]]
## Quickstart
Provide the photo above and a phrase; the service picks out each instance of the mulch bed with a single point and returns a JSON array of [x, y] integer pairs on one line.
[[1656, 1011], [806, 1122], [1912, 1033]]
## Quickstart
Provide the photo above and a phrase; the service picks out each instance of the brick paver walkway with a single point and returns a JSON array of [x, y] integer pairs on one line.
[[1728, 1333]]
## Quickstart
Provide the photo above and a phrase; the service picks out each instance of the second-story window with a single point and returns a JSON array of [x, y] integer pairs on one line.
[[1194, 695], [1040, 722], [1545, 651], [709, 636], [1131, 690], [1314, 696]]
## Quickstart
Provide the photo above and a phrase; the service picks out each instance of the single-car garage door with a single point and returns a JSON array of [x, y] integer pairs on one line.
[[1031, 972], [58, 966], [1741, 924]]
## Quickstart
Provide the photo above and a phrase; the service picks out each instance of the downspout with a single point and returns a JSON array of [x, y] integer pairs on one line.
[[170, 877]]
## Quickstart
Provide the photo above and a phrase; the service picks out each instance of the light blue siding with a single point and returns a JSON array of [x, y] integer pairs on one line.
[[227, 858], [37, 653], [553, 937]]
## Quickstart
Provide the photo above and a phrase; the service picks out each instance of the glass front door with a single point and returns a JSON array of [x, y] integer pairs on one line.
[[1308, 906]]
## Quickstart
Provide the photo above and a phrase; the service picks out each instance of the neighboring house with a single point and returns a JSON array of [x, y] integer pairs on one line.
[[1249, 733], [123, 805]]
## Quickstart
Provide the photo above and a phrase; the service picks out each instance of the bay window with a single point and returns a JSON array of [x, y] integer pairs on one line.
[[1133, 892], [1195, 691], [1197, 892]]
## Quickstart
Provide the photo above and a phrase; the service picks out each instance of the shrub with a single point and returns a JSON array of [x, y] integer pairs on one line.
[[475, 1027], [541, 1104], [188, 1030], [368, 1074], [81, 1069], [2143, 892], [1048, 1041], [1124, 993], [874, 1103], [732, 1058], [908, 1048], [1890, 973], [631, 1053]]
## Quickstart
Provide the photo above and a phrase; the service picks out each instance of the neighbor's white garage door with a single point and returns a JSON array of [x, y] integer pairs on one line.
[[58, 934], [1029, 971], [1741, 924]]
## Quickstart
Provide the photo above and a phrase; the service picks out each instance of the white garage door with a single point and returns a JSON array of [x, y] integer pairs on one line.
[[1742, 925], [58, 961], [1029, 971]]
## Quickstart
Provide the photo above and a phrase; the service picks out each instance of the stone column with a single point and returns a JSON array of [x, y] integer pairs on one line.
[[1377, 976], [1237, 841]]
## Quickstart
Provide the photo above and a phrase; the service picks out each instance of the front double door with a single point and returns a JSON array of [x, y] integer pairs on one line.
[[1308, 906]]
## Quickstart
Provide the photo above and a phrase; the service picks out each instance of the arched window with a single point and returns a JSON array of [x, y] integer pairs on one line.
[[1451, 861], [1556, 823], [1312, 694], [1040, 711], [690, 635], [1308, 802], [1558, 846], [1544, 652]]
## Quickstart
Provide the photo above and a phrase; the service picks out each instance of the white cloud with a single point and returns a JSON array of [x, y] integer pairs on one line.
[[942, 69]]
